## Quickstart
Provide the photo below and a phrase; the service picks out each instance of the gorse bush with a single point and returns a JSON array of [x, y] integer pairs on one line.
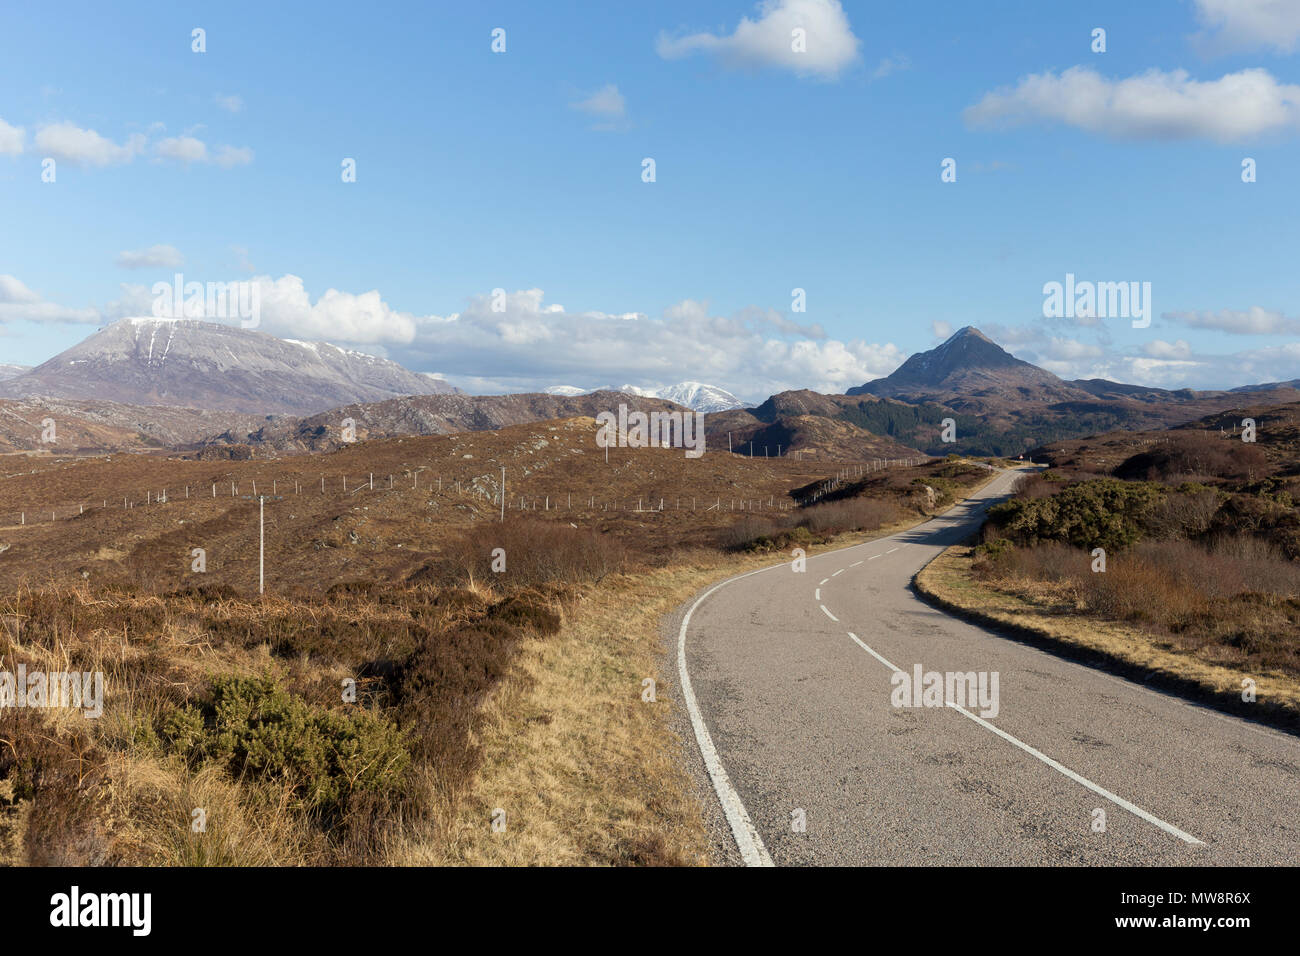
[[254, 726], [994, 548], [1102, 512]]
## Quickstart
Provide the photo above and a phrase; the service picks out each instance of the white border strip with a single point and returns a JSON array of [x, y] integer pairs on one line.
[[747, 839]]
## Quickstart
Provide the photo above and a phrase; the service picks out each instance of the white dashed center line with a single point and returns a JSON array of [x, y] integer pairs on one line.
[[829, 614]]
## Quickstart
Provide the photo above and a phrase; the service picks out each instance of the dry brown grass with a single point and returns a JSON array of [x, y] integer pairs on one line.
[[1233, 601], [116, 790], [586, 771], [1048, 610], [520, 691]]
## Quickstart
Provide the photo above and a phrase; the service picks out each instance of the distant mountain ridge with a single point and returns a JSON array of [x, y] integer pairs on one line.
[[696, 396], [1003, 405], [970, 363], [432, 415], [197, 364]]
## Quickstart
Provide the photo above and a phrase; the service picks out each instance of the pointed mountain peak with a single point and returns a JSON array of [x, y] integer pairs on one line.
[[968, 363], [969, 332]]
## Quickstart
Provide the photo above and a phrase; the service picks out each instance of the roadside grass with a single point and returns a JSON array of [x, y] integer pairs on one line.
[[1045, 614], [586, 771]]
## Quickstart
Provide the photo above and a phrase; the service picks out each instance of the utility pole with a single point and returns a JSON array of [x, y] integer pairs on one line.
[[503, 490], [261, 545]]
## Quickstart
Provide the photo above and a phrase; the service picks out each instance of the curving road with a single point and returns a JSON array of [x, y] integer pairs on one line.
[[787, 679]]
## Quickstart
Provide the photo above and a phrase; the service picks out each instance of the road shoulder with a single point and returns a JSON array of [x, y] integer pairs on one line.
[[948, 584]]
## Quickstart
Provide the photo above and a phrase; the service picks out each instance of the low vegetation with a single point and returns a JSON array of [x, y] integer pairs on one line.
[[869, 504], [293, 729], [1195, 540], [383, 718]]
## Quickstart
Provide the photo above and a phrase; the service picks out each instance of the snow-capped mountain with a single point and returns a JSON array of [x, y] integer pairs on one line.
[[701, 397], [694, 395], [12, 371], [196, 364]]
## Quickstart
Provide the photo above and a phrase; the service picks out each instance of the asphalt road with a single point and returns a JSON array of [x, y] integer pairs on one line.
[[788, 681]]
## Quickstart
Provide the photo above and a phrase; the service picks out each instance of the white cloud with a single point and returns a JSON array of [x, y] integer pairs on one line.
[[1160, 349], [940, 329], [287, 310], [228, 156], [829, 44], [897, 63], [1153, 105], [752, 353], [19, 303], [188, 149], [606, 103], [231, 104], [1059, 349], [155, 257], [72, 144], [533, 344], [1155, 363], [1252, 321], [185, 149], [13, 291], [11, 138], [1235, 25]]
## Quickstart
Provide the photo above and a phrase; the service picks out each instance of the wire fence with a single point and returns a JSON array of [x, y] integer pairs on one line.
[[488, 488]]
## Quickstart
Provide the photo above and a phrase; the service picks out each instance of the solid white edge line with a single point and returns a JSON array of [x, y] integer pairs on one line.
[[1061, 768], [748, 842]]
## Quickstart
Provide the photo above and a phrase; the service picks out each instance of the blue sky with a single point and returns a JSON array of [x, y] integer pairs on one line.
[[521, 171]]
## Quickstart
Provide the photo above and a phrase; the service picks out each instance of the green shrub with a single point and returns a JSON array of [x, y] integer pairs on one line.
[[255, 726], [1102, 512], [995, 548]]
